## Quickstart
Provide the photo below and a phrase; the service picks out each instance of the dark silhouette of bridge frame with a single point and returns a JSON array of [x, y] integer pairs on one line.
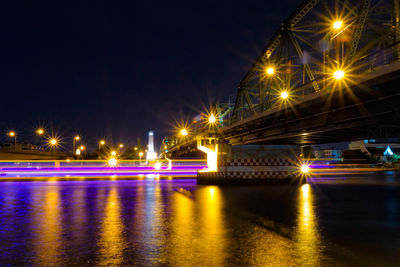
[[304, 55]]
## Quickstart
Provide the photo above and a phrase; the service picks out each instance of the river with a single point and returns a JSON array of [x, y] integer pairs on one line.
[[336, 221]]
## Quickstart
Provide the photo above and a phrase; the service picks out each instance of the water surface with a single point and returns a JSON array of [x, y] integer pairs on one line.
[[345, 221]]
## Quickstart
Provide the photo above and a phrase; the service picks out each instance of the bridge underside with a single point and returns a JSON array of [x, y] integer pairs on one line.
[[369, 109], [188, 151]]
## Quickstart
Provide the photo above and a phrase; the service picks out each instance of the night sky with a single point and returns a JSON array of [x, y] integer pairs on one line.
[[117, 70]]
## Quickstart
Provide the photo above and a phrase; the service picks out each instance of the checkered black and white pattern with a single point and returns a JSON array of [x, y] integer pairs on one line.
[[260, 162], [211, 175], [267, 174], [246, 175]]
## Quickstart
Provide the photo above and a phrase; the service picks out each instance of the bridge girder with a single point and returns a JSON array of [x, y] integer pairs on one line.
[[306, 51], [375, 113]]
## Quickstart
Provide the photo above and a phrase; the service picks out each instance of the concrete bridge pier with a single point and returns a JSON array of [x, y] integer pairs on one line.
[[250, 164], [306, 152]]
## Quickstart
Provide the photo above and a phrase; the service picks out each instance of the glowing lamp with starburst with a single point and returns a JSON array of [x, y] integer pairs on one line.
[[338, 75], [284, 95], [337, 25]]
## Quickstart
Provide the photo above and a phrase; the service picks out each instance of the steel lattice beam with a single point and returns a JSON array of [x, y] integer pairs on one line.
[[396, 25], [301, 11], [309, 72], [304, 8], [362, 17], [238, 104], [285, 52], [248, 100]]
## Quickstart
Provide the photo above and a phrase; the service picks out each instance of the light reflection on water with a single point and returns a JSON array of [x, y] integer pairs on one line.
[[111, 243], [78, 219], [212, 231], [47, 226], [182, 243], [175, 222], [307, 232]]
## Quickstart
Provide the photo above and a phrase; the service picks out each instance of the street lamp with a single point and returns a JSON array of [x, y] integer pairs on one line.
[[304, 168], [140, 155], [121, 145], [270, 71], [40, 131], [212, 119], [101, 143], [77, 153], [12, 134], [76, 138], [284, 95], [53, 143], [337, 24], [184, 132], [112, 162], [81, 149], [338, 75]]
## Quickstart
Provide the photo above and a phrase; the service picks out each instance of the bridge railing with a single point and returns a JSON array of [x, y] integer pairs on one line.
[[368, 63], [378, 58]]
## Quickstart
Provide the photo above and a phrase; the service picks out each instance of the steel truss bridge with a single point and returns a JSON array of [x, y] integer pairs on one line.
[[330, 73]]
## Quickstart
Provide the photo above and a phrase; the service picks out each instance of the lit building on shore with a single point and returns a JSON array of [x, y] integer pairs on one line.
[[151, 155]]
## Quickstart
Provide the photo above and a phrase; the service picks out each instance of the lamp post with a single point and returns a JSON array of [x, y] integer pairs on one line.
[[53, 144], [101, 143], [12, 134], [140, 155], [337, 24], [40, 131], [82, 148], [284, 95], [338, 74], [212, 119], [270, 71], [77, 153], [183, 132], [76, 138]]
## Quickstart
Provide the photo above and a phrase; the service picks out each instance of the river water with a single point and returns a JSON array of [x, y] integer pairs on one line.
[[340, 221]]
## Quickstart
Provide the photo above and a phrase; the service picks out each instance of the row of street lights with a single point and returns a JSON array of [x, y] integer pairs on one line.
[[101, 143], [113, 153], [338, 74], [53, 142], [212, 121]]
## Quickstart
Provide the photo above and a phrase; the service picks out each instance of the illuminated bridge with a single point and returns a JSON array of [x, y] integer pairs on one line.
[[330, 73]]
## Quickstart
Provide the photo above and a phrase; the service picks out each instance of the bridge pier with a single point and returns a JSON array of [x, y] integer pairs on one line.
[[253, 164]]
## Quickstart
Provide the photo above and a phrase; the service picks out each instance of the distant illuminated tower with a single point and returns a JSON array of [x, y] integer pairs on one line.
[[151, 155]]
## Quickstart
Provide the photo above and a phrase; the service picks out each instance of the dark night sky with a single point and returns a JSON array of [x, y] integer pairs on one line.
[[117, 70]]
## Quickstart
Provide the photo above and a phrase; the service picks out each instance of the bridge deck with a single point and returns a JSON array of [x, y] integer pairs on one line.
[[376, 95]]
